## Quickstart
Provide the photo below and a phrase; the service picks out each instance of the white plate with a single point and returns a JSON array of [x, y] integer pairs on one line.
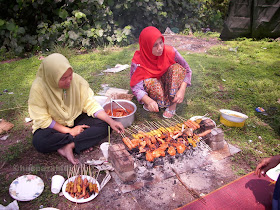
[[82, 200], [194, 118], [274, 173], [26, 188]]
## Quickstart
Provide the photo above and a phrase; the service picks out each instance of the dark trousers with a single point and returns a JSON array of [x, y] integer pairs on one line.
[[49, 140], [276, 195]]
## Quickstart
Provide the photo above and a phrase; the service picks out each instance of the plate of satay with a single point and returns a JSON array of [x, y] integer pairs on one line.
[[81, 187]]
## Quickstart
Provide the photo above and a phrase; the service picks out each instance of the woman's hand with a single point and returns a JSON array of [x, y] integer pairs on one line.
[[117, 126], [179, 97], [150, 104], [266, 164], [78, 129]]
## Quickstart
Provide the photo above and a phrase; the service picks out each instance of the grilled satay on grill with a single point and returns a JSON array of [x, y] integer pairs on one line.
[[157, 142]]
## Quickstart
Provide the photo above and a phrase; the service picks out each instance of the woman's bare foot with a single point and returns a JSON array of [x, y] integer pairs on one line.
[[88, 150], [67, 152]]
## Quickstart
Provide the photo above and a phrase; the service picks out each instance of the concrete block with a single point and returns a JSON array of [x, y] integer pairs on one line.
[[216, 135], [216, 145]]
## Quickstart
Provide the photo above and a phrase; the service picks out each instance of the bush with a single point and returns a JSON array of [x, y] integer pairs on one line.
[[30, 26]]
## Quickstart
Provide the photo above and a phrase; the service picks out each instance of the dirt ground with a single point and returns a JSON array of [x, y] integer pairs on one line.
[[165, 194]]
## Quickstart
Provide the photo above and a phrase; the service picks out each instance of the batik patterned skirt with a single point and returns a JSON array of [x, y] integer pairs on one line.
[[163, 90]]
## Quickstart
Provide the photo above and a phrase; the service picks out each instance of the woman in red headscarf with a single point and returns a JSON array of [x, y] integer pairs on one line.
[[159, 74]]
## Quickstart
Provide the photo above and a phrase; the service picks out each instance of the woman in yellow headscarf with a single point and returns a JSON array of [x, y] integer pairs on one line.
[[65, 115]]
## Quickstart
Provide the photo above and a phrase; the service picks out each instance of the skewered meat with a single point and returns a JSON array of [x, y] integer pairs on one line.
[[180, 148], [149, 156], [176, 138], [127, 142], [188, 132], [171, 151], [84, 188]]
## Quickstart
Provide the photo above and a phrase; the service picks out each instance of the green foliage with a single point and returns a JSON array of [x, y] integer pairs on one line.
[[31, 26], [213, 12]]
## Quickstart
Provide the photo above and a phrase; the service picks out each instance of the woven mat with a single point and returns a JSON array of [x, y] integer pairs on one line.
[[247, 192]]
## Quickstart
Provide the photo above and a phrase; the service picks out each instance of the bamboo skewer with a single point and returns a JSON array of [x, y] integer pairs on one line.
[[158, 125], [90, 173], [97, 175], [177, 121], [122, 135], [69, 171], [147, 127], [131, 129], [129, 132], [136, 127], [165, 123], [191, 191], [155, 124], [151, 126], [180, 117]]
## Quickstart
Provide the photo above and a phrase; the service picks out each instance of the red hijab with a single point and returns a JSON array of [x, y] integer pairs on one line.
[[149, 65]]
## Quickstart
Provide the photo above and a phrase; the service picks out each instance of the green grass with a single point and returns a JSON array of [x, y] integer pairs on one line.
[[239, 75]]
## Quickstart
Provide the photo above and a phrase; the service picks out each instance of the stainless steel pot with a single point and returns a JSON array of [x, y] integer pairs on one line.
[[126, 120]]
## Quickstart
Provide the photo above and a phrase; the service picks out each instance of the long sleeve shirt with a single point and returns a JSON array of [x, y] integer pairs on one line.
[[139, 91]]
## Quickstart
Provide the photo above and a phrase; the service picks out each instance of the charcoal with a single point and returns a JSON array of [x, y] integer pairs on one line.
[[150, 165], [171, 160], [148, 177], [158, 162]]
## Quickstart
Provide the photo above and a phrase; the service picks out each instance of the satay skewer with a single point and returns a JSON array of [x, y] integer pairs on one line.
[[147, 127], [151, 126], [155, 125], [130, 130], [177, 121], [158, 125], [68, 172], [97, 175], [181, 118], [136, 127], [172, 122], [139, 128], [165, 123], [168, 123], [90, 174]]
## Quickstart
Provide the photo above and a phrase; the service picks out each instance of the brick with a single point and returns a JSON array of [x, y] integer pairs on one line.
[[126, 176], [120, 158]]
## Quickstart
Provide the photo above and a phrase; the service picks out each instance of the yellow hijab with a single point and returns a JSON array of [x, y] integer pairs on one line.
[[48, 102]]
